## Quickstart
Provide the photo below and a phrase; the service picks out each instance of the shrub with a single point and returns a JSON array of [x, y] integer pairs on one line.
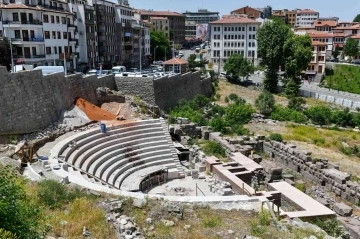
[[265, 103], [342, 118], [213, 148], [7, 235], [18, 213], [218, 124], [319, 115], [238, 114], [296, 103], [281, 114], [276, 137], [301, 187], [239, 129], [298, 117]]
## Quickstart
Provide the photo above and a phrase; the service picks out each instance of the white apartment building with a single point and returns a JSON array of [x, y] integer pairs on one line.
[[234, 35], [40, 31], [306, 17]]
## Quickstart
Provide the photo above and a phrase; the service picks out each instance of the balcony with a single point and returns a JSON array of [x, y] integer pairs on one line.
[[71, 25], [16, 39], [38, 56], [90, 21], [73, 40], [88, 7]]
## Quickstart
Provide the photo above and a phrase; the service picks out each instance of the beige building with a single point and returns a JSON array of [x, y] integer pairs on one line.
[[317, 64], [161, 24]]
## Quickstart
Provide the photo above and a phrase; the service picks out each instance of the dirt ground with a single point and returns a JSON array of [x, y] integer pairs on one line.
[[250, 95]]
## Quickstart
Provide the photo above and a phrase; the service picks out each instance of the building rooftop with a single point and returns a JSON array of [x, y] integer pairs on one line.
[[160, 13], [306, 11], [357, 26], [319, 34], [324, 23], [200, 11], [245, 9], [229, 20], [175, 61]]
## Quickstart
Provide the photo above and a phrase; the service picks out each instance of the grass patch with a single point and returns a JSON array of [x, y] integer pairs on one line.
[[344, 78], [209, 218], [212, 148], [326, 138]]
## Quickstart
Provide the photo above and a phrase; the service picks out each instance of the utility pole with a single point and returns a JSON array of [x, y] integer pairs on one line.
[[11, 52]]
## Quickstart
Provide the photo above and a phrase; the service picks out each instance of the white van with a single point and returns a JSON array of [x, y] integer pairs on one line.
[[50, 69], [118, 69]]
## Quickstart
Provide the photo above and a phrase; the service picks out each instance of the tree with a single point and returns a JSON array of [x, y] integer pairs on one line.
[[296, 103], [5, 53], [297, 55], [271, 38], [159, 41], [237, 66], [265, 103], [357, 18], [351, 47], [193, 63], [336, 52], [319, 114]]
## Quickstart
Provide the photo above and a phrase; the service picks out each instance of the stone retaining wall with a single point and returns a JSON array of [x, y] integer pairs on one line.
[[31, 101], [165, 92], [319, 171]]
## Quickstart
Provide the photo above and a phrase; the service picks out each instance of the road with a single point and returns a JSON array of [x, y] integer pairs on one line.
[[313, 87]]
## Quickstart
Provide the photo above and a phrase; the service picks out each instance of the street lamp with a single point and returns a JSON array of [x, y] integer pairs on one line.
[[155, 52]]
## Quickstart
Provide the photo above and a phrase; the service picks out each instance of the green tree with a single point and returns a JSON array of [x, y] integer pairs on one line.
[[336, 52], [191, 61], [7, 235], [159, 41], [18, 213], [265, 103], [351, 47], [357, 18], [271, 38], [319, 114], [297, 55], [237, 66], [5, 53], [238, 114]]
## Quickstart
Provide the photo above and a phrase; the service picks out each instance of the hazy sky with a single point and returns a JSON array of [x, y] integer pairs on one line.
[[346, 10]]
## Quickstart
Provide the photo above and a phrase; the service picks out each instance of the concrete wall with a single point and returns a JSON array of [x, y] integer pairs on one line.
[[31, 101], [167, 91]]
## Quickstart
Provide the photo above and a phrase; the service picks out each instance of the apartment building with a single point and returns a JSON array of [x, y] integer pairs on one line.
[[317, 63], [124, 50], [202, 16], [161, 24], [306, 17], [106, 28], [41, 32], [288, 16], [176, 21], [190, 30], [232, 35], [249, 11]]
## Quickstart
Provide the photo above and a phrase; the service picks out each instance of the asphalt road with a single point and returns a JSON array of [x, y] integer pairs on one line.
[[313, 87]]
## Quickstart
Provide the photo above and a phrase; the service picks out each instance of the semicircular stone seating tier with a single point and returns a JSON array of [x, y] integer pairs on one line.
[[122, 152]]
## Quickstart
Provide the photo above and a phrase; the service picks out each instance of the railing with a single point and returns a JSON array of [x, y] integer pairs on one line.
[[36, 39], [53, 7], [35, 22], [38, 56], [71, 25], [16, 39]]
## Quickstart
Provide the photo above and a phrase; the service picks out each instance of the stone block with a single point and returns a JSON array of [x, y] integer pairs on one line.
[[323, 202], [342, 209]]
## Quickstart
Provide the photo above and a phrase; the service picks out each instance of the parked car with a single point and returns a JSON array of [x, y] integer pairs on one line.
[[118, 69]]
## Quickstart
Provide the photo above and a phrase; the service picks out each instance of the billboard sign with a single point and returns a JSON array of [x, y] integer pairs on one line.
[[201, 31]]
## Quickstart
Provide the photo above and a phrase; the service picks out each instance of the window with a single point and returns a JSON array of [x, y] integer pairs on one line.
[[64, 35], [47, 34], [46, 18], [52, 19], [250, 36], [60, 50], [53, 35], [225, 37], [48, 50], [254, 29], [15, 17], [225, 29], [33, 51], [249, 44], [57, 19], [63, 20], [232, 29], [250, 28], [55, 50], [17, 34], [58, 35]]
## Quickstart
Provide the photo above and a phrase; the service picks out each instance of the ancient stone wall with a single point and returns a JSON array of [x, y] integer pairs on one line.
[[166, 91], [31, 101], [170, 90], [319, 171]]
